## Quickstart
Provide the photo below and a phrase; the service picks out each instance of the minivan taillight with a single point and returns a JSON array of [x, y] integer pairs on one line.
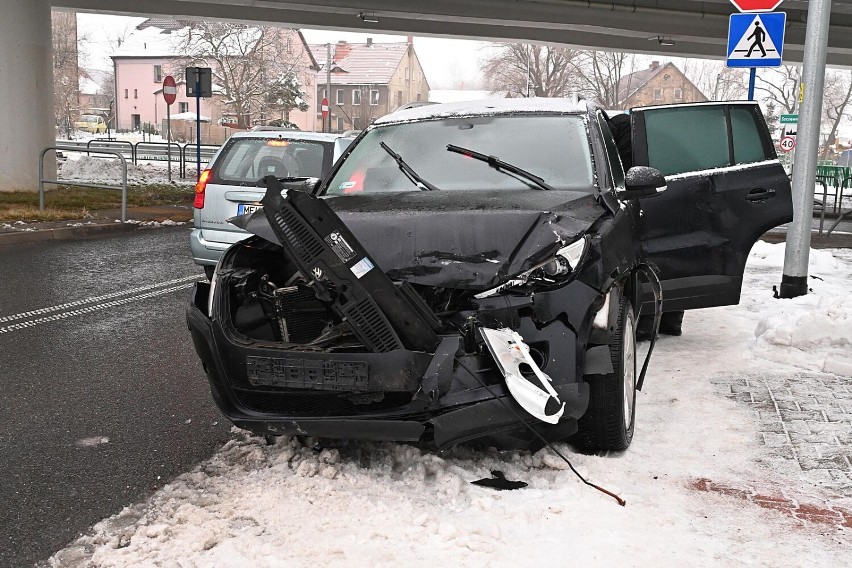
[[200, 188]]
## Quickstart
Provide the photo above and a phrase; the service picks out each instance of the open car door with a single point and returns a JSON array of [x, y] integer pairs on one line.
[[725, 189]]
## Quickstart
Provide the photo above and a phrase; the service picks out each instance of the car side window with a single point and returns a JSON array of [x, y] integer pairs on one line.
[[674, 148], [748, 145]]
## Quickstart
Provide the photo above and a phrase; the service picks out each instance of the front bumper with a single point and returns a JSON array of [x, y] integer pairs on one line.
[[401, 395]]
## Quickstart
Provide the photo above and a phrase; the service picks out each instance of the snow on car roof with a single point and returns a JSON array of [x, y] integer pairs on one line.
[[287, 133], [484, 108]]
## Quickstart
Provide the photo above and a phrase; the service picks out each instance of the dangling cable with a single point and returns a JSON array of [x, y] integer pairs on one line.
[[506, 405]]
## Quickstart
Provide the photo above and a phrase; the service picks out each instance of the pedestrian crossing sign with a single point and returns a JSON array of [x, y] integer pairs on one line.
[[756, 40]]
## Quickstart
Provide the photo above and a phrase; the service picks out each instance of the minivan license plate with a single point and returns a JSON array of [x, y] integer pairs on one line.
[[246, 208]]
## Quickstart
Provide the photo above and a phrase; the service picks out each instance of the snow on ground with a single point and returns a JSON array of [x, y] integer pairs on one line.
[[107, 171], [371, 504]]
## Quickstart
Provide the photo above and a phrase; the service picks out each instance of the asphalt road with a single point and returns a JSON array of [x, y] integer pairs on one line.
[[102, 398]]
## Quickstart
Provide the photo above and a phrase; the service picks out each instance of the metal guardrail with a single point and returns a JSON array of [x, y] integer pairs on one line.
[[149, 148], [113, 144], [207, 152], [42, 180], [824, 196]]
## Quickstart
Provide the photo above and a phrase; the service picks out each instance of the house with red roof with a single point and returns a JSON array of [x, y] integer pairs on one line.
[[368, 80]]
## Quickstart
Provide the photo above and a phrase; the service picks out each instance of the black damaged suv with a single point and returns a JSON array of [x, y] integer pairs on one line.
[[476, 271]]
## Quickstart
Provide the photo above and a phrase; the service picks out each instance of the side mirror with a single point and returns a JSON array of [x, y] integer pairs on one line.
[[642, 181]]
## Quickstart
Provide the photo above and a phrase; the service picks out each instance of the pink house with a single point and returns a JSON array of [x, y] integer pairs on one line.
[[149, 54], [140, 64]]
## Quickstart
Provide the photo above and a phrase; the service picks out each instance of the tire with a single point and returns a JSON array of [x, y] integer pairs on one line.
[[609, 420], [208, 271]]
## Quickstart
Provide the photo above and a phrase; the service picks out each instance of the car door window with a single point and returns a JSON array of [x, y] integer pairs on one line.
[[748, 145], [675, 149]]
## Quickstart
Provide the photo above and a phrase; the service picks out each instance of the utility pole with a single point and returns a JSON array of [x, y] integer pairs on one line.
[[527, 50], [328, 84], [795, 279]]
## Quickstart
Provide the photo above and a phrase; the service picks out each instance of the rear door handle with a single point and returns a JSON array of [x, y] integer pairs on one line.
[[760, 194]]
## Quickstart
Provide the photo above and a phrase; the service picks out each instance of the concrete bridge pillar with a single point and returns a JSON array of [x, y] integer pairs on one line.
[[26, 92]]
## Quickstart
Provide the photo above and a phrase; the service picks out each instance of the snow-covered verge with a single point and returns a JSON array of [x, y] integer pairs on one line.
[[107, 171], [393, 504]]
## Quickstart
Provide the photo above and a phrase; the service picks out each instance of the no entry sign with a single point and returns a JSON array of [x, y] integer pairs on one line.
[[756, 5], [169, 89]]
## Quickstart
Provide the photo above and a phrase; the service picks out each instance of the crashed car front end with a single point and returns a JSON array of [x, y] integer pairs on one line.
[[375, 307], [286, 355]]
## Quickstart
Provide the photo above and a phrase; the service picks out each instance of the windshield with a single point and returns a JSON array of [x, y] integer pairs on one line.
[[555, 148], [247, 160]]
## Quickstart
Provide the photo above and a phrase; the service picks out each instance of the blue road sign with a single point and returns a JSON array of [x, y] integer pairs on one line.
[[756, 40]]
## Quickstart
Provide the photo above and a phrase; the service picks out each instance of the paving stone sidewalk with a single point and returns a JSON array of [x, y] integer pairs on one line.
[[804, 419]]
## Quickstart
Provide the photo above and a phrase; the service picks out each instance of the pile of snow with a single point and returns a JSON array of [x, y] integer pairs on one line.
[[165, 223], [107, 171], [814, 331], [370, 504]]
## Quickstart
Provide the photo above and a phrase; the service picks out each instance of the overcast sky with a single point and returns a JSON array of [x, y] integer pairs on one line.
[[446, 62]]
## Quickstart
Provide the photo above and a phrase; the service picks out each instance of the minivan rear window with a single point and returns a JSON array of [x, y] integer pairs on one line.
[[245, 161]]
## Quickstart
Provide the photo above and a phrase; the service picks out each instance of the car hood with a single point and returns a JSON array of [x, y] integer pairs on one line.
[[458, 239]]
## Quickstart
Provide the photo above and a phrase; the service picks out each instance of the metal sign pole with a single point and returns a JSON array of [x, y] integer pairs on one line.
[[752, 77], [328, 84], [795, 279], [169, 138], [197, 124]]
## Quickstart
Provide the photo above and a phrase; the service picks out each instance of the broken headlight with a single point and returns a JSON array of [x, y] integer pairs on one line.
[[563, 264], [567, 258]]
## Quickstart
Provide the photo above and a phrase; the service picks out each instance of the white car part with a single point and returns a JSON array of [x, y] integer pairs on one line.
[[510, 352], [601, 320]]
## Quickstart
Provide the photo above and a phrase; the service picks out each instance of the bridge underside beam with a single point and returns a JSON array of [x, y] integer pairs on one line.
[[697, 29]]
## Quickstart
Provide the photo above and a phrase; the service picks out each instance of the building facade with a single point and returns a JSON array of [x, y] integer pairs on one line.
[[658, 85], [368, 80]]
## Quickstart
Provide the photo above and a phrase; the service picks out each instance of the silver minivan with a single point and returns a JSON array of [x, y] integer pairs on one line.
[[229, 185]]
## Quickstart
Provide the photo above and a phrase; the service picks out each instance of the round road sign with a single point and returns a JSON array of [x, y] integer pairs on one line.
[[756, 5], [324, 107], [787, 144], [169, 89]]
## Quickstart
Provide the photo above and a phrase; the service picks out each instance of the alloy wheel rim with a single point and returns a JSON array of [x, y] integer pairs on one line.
[[628, 357]]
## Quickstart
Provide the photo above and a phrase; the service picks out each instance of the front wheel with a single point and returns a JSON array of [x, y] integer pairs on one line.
[[608, 422]]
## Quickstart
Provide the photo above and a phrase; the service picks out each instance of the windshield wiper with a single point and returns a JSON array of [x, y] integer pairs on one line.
[[406, 169], [502, 166]]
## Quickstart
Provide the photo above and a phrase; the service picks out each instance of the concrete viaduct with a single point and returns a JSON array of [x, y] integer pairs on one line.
[[665, 27]]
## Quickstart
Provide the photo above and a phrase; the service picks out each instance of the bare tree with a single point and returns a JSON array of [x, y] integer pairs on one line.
[[780, 85], [522, 70], [835, 103], [66, 71], [714, 79], [601, 73], [358, 110], [248, 62]]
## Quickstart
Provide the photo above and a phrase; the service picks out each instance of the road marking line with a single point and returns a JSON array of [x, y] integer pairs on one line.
[[92, 300], [91, 309]]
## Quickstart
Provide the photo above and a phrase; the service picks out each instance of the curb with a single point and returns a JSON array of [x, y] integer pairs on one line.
[[66, 233]]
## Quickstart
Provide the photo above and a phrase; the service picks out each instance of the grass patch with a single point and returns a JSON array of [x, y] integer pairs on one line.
[[31, 214], [75, 202]]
